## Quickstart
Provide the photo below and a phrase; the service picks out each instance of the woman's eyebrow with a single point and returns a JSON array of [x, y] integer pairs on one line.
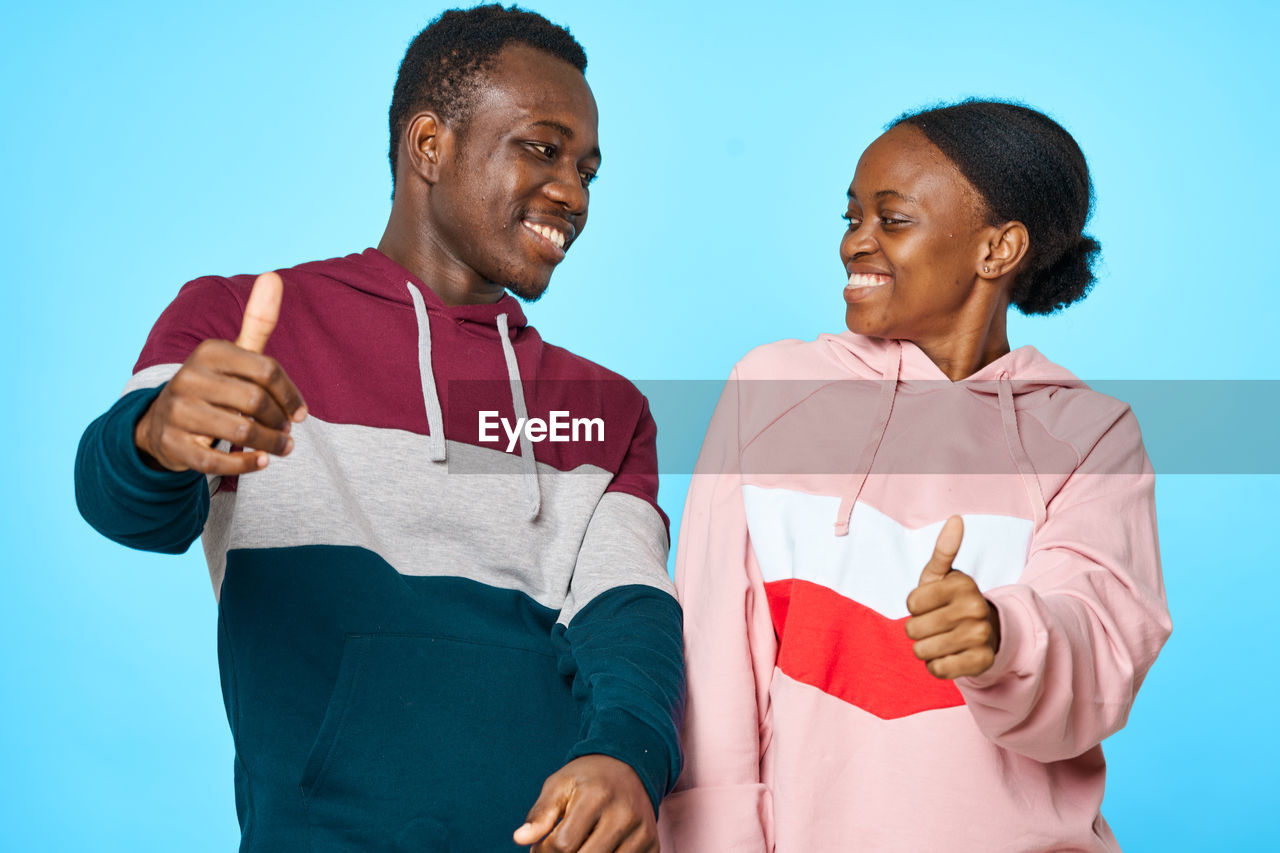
[[886, 193], [883, 194]]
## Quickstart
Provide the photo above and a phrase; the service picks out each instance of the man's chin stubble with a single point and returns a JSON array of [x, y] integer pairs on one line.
[[526, 292]]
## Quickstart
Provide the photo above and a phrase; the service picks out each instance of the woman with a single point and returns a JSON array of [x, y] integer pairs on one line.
[[866, 671]]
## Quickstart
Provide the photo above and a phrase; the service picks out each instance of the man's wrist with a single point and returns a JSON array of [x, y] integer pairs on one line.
[[140, 429]]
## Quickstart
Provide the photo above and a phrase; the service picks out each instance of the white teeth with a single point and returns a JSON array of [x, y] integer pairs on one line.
[[555, 236], [868, 280]]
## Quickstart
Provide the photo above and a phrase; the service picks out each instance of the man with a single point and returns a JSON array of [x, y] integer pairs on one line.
[[444, 600]]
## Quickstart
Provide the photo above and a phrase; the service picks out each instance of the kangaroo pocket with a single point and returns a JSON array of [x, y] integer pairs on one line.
[[435, 743]]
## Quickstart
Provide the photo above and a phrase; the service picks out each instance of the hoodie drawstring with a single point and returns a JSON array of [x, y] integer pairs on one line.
[[529, 464], [1013, 439], [884, 408], [430, 396]]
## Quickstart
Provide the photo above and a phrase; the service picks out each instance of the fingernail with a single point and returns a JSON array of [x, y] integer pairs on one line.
[[300, 414], [288, 446], [262, 460]]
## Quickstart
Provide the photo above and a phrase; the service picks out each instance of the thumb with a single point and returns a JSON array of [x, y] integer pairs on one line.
[[544, 815], [944, 552], [261, 312]]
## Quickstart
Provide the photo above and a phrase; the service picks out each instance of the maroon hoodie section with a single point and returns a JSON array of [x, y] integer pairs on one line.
[[348, 337]]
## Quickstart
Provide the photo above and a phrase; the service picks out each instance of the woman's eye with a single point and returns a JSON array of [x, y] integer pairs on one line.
[[890, 220], [852, 220]]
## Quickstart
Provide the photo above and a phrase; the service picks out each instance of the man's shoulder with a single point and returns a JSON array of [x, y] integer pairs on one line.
[[237, 286], [583, 379], [560, 363], [570, 365], [339, 267]]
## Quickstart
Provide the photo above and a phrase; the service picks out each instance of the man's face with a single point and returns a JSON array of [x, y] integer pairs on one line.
[[512, 197]]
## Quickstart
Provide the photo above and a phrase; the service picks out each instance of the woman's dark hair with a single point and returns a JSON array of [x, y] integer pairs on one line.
[[1027, 168]]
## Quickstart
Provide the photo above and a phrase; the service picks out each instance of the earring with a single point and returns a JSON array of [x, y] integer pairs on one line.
[[986, 268]]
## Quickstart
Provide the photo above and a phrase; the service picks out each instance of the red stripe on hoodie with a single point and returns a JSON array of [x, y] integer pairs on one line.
[[853, 653]]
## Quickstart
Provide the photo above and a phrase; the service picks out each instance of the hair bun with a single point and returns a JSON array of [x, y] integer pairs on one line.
[[1068, 279], [1026, 168]]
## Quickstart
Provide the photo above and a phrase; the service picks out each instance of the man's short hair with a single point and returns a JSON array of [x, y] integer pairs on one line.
[[444, 64]]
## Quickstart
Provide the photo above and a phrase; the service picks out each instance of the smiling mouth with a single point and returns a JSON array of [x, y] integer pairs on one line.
[[863, 279], [552, 235]]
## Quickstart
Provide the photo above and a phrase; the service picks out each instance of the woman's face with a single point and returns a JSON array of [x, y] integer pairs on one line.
[[915, 241]]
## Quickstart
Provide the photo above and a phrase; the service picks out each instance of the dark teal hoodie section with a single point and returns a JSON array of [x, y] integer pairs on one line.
[[375, 711]]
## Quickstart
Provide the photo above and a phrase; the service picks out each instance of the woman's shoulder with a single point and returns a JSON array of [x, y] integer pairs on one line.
[[828, 357]]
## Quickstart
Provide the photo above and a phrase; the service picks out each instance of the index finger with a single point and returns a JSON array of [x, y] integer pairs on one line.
[[944, 551], [581, 813], [544, 815], [261, 312]]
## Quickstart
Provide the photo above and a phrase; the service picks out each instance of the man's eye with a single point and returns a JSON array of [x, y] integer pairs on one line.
[[588, 178], [542, 148]]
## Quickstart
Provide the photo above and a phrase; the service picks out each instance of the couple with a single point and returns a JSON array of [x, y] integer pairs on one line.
[[428, 642]]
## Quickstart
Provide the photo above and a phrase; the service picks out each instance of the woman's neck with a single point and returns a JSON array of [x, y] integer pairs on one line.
[[979, 337]]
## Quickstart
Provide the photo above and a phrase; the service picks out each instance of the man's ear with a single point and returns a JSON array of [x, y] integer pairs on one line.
[[426, 143], [1003, 251]]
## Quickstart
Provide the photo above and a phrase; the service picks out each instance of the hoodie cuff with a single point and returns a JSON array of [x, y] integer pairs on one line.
[[1011, 656], [619, 735], [124, 499], [123, 461]]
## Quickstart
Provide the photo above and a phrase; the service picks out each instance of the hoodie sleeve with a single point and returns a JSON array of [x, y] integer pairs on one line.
[[126, 501], [721, 802], [620, 627], [116, 492], [1088, 617]]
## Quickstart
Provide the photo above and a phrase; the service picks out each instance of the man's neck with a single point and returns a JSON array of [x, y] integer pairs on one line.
[[415, 250]]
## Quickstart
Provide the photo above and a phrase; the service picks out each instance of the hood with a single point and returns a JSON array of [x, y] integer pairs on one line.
[[374, 273], [1018, 380], [1026, 368]]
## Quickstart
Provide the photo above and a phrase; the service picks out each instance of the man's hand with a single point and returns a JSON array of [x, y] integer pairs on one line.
[[594, 804], [957, 631], [229, 392]]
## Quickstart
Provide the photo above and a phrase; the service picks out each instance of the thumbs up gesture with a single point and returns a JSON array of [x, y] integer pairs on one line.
[[957, 631], [226, 391]]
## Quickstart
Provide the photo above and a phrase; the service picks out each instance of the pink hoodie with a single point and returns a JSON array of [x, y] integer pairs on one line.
[[811, 727]]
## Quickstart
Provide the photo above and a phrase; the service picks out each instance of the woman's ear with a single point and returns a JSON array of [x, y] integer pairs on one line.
[[1004, 250]]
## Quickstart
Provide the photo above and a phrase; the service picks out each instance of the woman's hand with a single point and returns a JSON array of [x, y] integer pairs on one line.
[[957, 631]]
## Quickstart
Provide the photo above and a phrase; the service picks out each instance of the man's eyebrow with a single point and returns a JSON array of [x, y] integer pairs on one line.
[[559, 128], [565, 131]]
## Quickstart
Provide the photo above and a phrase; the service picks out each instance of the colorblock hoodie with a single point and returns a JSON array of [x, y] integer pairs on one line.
[[826, 476], [421, 614]]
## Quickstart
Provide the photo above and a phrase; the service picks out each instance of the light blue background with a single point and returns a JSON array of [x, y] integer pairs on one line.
[[146, 144]]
